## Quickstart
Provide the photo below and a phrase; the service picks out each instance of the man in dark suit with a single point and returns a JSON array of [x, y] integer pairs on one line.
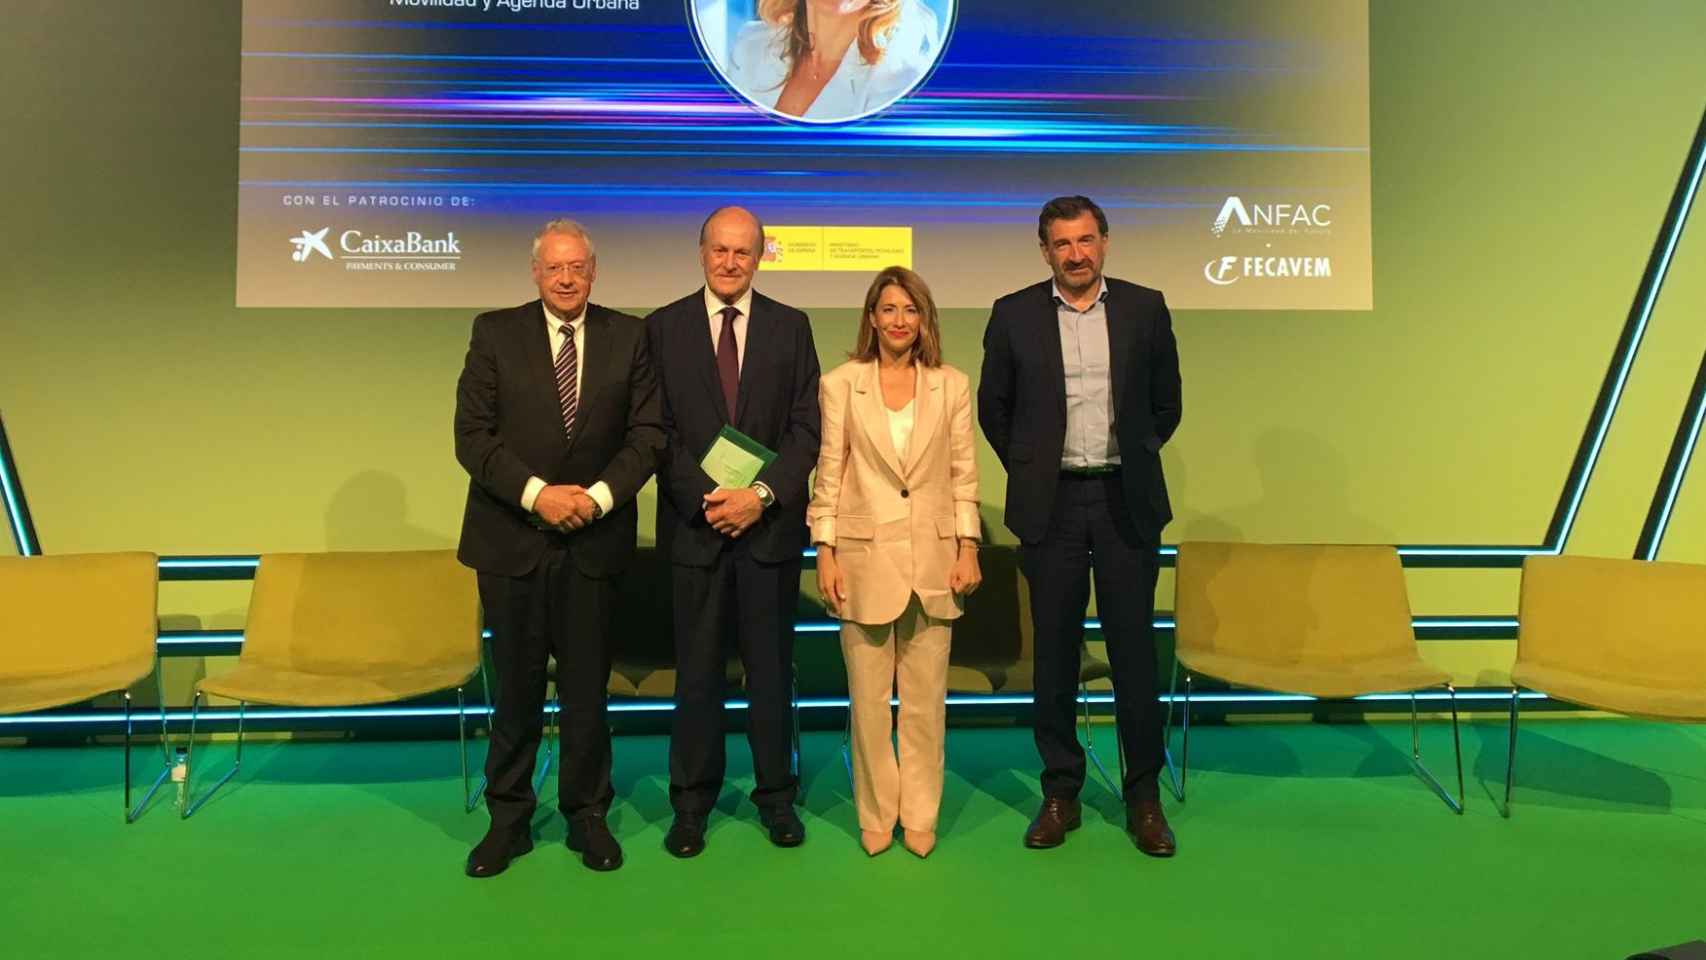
[[557, 424], [1080, 389], [728, 355]]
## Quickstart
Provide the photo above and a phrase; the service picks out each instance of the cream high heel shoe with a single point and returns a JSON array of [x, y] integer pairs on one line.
[[919, 842], [875, 842]]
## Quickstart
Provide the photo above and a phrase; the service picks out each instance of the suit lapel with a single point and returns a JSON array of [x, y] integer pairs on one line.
[[542, 370], [758, 347], [595, 352], [1122, 333], [1048, 345], [697, 337], [926, 410], [873, 416]]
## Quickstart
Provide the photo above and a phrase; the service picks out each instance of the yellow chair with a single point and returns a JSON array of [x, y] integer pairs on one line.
[[1628, 636], [78, 626], [345, 629], [1329, 621]]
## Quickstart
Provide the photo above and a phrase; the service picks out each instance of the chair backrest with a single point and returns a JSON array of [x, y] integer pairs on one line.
[[340, 613], [62, 615], [1292, 604], [1632, 622]]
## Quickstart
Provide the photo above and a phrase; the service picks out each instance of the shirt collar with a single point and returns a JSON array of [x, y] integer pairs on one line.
[[553, 322], [1060, 301], [714, 307]]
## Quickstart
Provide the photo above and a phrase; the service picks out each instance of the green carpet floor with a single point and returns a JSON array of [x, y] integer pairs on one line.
[[1298, 840]]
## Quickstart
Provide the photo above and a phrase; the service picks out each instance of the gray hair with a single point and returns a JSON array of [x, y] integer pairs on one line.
[[564, 225]]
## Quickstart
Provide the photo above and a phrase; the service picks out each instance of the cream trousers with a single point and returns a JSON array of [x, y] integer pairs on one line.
[[910, 654]]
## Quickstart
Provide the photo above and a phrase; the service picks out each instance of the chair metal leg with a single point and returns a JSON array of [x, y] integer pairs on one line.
[[794, 703], [1185, 745], [1175, 781], [192, 805], [131, 814], [1510, 758], [550, 752], [1456, 804], [1089, 737], [471, 795]]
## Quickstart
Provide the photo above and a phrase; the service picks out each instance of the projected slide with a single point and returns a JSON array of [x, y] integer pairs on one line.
[[399, 153]]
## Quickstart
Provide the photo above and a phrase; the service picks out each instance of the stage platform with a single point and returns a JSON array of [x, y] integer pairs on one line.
[[1297, 840]]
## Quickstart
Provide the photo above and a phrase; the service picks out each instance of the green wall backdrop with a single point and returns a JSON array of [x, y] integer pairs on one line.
[[1523, 155]]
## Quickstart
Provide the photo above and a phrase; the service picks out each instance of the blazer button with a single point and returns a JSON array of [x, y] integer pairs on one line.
[[903, 493]]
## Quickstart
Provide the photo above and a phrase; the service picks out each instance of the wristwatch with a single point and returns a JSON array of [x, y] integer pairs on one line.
[[597, 511], [766, 499]]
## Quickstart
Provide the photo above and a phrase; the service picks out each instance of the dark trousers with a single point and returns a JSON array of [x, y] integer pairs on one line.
[[1091, 533], [555, 610], [755, 602]]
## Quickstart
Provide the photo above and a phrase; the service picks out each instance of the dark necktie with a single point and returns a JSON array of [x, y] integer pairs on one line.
[[568, 390], [728, 360]]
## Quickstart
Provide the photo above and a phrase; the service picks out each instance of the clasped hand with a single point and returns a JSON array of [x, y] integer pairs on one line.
[[732, 511], [566, 506]]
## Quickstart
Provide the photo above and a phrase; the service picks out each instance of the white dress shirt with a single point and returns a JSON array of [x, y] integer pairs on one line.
[[600, 491], [900, 427], [714, 312], [1086, 359]]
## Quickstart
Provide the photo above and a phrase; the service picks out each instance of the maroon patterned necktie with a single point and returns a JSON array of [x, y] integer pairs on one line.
[[568, 390], [728, 360]]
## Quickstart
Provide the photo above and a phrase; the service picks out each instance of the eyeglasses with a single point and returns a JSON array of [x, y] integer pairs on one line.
[[579, 268]]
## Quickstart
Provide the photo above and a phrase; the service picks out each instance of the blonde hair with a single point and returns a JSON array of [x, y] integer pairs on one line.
[[927, 349], [878, 19]]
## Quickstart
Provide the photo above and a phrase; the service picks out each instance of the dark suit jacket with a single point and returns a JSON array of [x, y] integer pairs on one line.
[[1021, 401], [509, 426], [777, 406]]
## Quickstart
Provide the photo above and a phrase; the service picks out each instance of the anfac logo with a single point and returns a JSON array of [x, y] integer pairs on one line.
[[311, 243], [1273, 217]]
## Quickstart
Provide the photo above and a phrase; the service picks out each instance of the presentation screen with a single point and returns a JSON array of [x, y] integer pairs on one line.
[[401, 153]]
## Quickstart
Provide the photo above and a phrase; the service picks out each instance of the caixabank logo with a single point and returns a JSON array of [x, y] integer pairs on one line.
[[360, 251]]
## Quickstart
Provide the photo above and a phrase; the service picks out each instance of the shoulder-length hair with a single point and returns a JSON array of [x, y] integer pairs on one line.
[[927, 349], [877, 19]]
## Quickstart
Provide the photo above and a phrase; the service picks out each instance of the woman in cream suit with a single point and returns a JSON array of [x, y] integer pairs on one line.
[[894, 517]]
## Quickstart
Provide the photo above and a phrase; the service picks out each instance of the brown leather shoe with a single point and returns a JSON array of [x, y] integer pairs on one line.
[[1057, 816], [1147, 825]]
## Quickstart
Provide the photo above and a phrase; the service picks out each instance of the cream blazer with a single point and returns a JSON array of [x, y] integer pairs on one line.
[[893, 517]]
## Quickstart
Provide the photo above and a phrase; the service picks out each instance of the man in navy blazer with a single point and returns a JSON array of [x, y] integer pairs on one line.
[[557, 424], [727, 355], [1080, 389]]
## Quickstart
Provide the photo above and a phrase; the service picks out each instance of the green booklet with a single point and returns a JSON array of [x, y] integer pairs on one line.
[[734, 459]]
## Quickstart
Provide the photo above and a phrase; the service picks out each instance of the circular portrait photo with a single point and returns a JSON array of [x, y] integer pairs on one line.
[[823, 61]]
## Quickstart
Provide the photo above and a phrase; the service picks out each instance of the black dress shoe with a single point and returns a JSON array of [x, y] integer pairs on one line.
[[785, 826], [491, 856], [1147, 825], [1057, 816], [590, 837], [686, 837]]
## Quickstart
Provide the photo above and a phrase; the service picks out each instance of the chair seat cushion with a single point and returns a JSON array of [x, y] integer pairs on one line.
[[22, 694], [1327, 681], [1600, 694], [298, 689]]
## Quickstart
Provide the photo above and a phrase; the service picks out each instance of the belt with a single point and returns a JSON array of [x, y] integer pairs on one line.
[[1091, 471]]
